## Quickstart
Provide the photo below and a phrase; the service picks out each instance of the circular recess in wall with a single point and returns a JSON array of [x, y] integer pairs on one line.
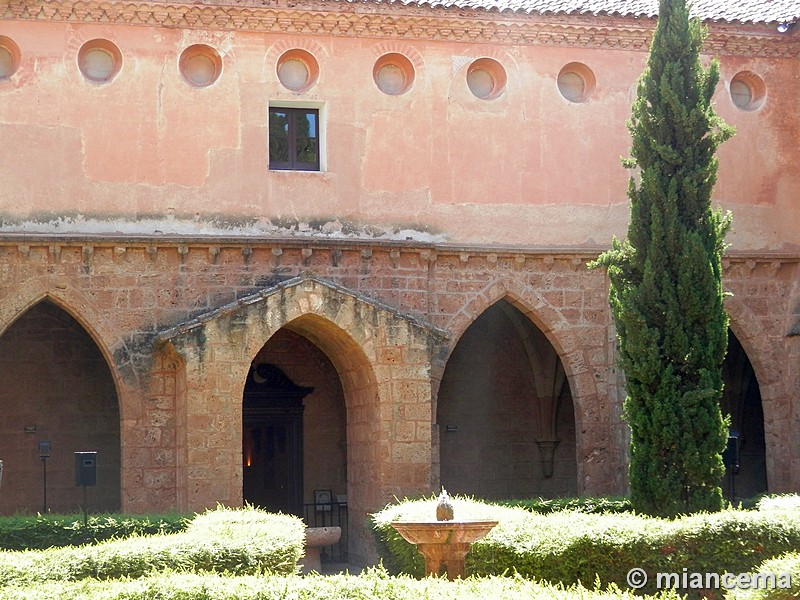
[[393, 74], [748, 91], [200, 65], [576, 82], [9, 57], [297, 70], [486, 78], [99, 60]]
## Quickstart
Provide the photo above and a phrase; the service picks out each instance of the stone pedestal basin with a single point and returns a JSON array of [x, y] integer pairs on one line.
[[444, 543], [316, 539]]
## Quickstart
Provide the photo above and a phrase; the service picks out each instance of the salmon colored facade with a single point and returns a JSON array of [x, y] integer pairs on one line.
[[426, 279]]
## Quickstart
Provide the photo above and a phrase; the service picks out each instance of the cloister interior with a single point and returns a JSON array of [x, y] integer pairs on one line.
[[504, 416]]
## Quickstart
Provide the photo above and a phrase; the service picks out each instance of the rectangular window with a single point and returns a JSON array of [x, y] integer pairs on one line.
[[294, 139]]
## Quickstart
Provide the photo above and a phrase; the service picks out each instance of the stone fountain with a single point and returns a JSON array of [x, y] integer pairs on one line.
[[444, 542], [316, 539]]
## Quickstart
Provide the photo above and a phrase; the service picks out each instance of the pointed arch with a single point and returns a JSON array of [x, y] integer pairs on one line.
[[381, 356], [547, 318], [117, 356], [59, 384], [759, 348], [741, 400], [78, 306], [364, 402], [767, 363], [582, 344], [294, 388], [503, 430]]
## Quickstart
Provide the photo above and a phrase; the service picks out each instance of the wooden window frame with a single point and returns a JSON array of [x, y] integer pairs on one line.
[[293, 164]]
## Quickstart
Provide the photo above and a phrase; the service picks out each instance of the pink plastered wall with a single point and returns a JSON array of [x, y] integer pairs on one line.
[[147, 152]]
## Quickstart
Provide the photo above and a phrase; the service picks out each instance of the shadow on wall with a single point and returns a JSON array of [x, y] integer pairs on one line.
[[57, 387], [505, 412], [741, 399]]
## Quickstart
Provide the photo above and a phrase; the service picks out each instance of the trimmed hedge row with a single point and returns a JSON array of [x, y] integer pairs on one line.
[[236, 541], [620, 504], [53, 531], [779, 501], [371, 585], [591, 505], [785, 564], [572, 547]]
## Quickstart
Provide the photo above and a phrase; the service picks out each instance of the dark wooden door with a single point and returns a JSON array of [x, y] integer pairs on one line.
[[272, 441], [273, 475]]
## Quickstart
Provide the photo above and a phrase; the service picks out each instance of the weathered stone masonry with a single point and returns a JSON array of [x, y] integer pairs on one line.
[[429, 282], [179, 325]]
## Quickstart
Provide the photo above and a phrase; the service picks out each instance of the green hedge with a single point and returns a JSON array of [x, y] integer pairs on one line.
[[779, 501], [780, 566], [52, 531], [620, 504], [592, 505], [372, 585], [571, 547], [236, 541]]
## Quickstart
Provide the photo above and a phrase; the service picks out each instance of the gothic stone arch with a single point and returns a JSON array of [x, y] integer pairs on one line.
[[580, 337], [96, 324], [113, 348], [765, 353], [383, 360]]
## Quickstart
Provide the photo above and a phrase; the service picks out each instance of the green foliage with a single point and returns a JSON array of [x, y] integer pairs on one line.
[[374, 584], [597, 505], [786, 564], [571, 547], [50, 531], [665, 279], [779, 501], [235, 541]]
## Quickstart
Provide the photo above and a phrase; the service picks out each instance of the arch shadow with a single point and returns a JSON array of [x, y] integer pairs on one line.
[[501, 417], [79, 308], [765, 361], [59, 384]]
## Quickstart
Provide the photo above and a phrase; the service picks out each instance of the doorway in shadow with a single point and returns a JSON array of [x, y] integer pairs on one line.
[[741, 399], [505, 412]]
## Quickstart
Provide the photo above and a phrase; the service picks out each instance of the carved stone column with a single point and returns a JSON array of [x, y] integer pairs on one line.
[[547, 448]]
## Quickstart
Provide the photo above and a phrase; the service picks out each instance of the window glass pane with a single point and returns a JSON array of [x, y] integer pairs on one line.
[[278, 149], [307, 150], [294, 138], [311, 124], [278, 123], [279, 138]]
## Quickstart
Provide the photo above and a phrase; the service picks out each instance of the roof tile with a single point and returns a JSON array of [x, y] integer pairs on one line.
[[743, 11]]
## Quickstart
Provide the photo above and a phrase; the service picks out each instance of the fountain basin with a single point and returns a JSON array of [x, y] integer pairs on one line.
[[444, 543], [316, 539]]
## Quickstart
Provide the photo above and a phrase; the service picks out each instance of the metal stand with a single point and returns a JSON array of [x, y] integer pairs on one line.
[[44, 453], [85, 475], [44, 485], [85, 508]]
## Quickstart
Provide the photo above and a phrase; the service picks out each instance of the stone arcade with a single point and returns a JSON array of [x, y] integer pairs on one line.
[[317, 255]]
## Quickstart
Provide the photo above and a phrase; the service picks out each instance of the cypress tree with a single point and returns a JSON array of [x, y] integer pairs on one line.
[[665, 278]]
